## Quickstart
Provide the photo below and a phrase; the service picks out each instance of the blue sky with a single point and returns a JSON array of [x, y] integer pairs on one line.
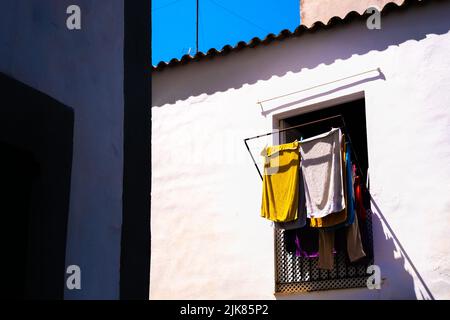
[[221, 22]]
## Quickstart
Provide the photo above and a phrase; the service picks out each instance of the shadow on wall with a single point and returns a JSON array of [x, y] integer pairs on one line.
[[324, 47], [397, 281], [36, 140]]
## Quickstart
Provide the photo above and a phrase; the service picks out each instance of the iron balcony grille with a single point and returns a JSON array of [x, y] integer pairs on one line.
[[299, 274]]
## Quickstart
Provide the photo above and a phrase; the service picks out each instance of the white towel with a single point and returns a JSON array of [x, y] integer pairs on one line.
[[321, 162]]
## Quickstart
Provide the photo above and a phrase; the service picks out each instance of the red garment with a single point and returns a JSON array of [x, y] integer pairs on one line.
[[360, 210]]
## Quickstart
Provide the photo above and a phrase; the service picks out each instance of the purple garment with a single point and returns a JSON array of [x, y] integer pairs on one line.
[[303, 242], [299, 252]]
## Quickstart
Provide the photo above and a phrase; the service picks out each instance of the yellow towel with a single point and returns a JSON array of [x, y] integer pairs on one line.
[[280, 182]]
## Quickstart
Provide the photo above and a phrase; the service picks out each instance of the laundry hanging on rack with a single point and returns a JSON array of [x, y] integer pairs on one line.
[[325, 188], [327, 236], [359, 198], [349, 183], [321, 161], [338, 218], [348, 232]]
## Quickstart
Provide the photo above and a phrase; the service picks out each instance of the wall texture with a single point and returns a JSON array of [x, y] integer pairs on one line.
[[323, 10], [84, 70], [208, 240]]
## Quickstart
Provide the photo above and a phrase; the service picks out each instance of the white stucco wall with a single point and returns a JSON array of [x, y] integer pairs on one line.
[[84, 70], [208, 240]]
